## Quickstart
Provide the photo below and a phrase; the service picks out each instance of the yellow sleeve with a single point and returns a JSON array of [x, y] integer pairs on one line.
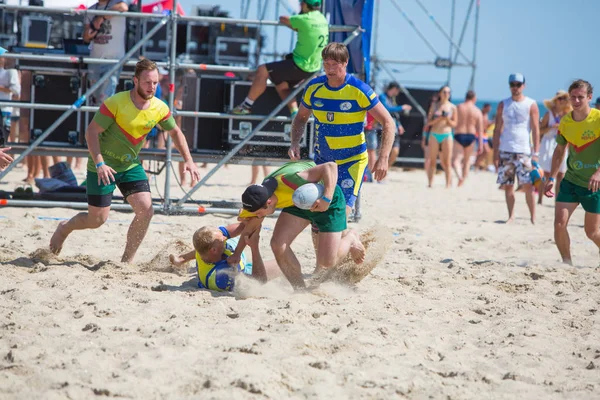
[[246, 214]]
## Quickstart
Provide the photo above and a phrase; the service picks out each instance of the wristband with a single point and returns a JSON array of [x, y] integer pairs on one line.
[[551, 179], [326, 199], [101, 163]]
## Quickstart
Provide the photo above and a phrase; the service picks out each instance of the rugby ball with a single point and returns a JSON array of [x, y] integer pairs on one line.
[[305, 196]]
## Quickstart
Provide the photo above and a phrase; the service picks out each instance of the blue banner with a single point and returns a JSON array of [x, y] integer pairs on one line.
[[359, 13]]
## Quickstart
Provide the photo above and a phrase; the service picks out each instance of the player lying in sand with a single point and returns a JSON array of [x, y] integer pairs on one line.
[[213, 245], [327, 213]]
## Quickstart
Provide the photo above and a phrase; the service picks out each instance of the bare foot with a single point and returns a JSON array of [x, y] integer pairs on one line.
[[510, 220], [176, 260], [567, 261], [532, 221], [58, 238], [461, 182], [357, 250]]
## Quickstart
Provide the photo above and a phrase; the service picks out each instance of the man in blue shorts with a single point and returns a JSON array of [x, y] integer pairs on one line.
[[339, 103]]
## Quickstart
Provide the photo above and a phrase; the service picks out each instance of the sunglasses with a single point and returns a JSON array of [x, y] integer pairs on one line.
[[562, 99], [516, 84]]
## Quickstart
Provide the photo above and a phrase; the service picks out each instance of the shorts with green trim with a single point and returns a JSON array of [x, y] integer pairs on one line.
[[332, 220], [572, 193], [132, 181]]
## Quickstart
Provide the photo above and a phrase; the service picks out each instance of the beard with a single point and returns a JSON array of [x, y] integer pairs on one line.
[[143, 94]]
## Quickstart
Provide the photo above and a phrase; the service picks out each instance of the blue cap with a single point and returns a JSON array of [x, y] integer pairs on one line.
[[516, 78], [2, 50]]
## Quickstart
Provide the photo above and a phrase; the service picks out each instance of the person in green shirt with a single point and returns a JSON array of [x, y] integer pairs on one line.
[[579, 134], [114, 138], [313, 35]]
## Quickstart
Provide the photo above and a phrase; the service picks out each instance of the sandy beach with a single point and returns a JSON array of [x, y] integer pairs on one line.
[[461, 306]]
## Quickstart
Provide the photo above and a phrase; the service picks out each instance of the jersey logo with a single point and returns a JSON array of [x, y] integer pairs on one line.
[[588, 135], [345, 106], [319, 103], [347, 183], [330, 116]]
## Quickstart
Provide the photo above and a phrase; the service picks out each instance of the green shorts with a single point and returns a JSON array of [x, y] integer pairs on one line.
[[132, 181], [572, 193], [332, 220]]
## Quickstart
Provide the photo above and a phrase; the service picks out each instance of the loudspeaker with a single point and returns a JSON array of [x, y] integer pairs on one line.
[[273, 133], [55, 89], [208, 94]]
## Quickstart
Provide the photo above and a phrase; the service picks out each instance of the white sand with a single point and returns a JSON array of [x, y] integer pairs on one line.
[[461, 307]]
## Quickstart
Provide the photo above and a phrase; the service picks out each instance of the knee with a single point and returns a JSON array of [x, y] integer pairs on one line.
[[591, 232], [262, 71], [145, 212], [561, 225], [278, 246], [97, 220]]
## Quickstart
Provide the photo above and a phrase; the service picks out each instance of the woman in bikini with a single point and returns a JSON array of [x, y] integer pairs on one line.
[[442, 118]]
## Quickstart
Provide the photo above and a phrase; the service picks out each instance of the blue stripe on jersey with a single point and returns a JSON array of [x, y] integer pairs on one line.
[[326, 129], [341, 154]]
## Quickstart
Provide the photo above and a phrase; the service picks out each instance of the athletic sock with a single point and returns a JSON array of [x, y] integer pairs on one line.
[[247, 103]]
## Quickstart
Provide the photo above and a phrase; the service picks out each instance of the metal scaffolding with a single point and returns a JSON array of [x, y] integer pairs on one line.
[[167, 155], [455, 48]]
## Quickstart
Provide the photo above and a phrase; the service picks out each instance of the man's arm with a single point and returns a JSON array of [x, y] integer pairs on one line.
[[259, 272], [382, 116], [5, 159], [181, 146], [285, 20], [235, 229], [328, 173], [120, 7], [388, 106], [498, 128], [298, 127], [182, 258], [534, 113], [250, 227], [557, 158], [92, 137]]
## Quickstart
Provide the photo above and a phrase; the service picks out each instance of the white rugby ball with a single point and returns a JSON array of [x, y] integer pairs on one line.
[[305, 196]]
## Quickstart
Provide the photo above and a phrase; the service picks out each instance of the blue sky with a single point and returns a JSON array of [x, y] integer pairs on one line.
[[529, 36]]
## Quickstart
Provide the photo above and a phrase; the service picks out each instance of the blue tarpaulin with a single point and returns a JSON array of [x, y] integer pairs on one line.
[[353, 12]]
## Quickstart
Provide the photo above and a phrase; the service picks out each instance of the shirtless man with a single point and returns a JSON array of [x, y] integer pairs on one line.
[[468, 129]]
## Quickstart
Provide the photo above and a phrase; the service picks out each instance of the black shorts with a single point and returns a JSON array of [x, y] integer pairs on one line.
[[286, 71]]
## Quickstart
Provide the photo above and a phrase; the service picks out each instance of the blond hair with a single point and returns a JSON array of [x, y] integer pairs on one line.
[[203, 239], [336, 52]]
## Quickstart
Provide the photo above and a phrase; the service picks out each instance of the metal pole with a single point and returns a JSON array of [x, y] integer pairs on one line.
[[472, 83], [452, 13], [406, 92], [412, 24], [196, 114], [275, 34], [464, 29], [169, 144], [213, 20], [375, 39], [240, 145], [432, 18], [419, 62], [81, 100], [117, 207]]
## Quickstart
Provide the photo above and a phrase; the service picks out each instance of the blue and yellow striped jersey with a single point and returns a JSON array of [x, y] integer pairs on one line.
[[219, 276], [340, 116]]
